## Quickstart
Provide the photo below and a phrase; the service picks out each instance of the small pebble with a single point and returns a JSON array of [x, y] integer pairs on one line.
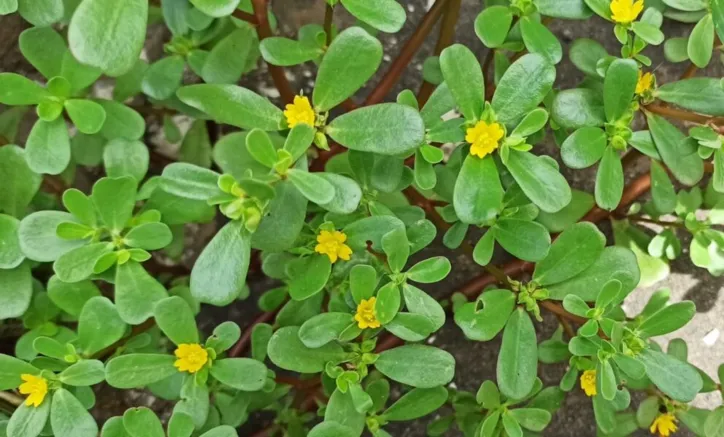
[[711, 338]]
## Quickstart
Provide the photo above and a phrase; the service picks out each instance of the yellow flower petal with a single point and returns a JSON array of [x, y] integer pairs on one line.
[[36, 387], [588, 382], [299, 112], [645, 83], [191, 357], [626, 11], [366, 316], [484, 138], [332, 245], [664, 424]]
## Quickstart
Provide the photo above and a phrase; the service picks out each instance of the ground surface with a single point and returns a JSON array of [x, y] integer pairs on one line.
[[475, 361]]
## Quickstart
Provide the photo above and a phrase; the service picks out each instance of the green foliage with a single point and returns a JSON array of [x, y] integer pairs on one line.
[[111, 246]]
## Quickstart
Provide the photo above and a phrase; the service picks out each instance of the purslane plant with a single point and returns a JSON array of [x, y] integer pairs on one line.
[[334, 201]]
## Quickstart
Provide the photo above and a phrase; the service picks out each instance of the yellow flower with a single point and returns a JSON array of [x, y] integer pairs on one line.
[[332, 245], [366, 316], [625, 11], [191, 357], [645, 83], [299, 112], [665, 424], [36, 387], [484, 138], [588, 382]]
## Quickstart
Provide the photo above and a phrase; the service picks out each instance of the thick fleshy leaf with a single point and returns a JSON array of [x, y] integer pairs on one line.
[[29, 421], [675, 378], [688, 169], [538, 39], [48, 147], [464, 78], [87, 115], [566, 9], [387, 129], [287, 351], [16, 291], [287, 52], [243, 374], [579, 107], [123, 157], [523, 239], [687, 94], [279, 229], [38, 238], [609, 180], [478, 195], [69, 418], [19, 90], [44, 48], [114, 198], [20, 183], [175, 318], [229, 58], [219, 274], [138, 370], [99, 325], [585, 54], [584, 147], [109, 34], [572, 252], [540, 181], [385, 15], [417, 365], [136, 292], [701, 42], [523, 86], [234, 105], [517, 367], [483, 324], [351, 59], [162, 78], [493, 24], [618, 87]]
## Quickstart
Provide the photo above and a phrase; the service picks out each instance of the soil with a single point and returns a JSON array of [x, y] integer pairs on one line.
[[476, 361]]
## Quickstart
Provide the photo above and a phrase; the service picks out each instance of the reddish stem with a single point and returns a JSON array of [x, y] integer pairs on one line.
[[408, 51], [241, 345], [264, 31], [447, 34]]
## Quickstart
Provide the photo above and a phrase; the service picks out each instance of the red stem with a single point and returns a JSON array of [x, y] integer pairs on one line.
[[447, 34], [408, 51], [264, 31], [241, 345]]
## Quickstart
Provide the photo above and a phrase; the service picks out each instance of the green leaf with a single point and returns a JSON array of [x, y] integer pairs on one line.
[[388, 303], [687, 94], [533, 122], [416, 403], [71, 297], [190, 181], [585, 54], [229, 58], [10, 370], [483, 324], [261, 148], [123, 157], [701, 42], [41, 12], [136, 292], [677, 379], [351, 60], [464, 78], [234, 105], [286, 52], [216, 8], [687, 169], [87, 115], [69, 418], [567, 9], [347, 194], [584, 147], [618, 87], [576, 249], [312, 186], [518, 360], [287, 211], [48, 147], [162, 78], [44, 48], [648, 32], [16, 291], [28, 421], [387, 129], [219, 274], [714, 424], [173, 315], [579, 107], [308, 276], [331, 429], [540, 181], [662, 190], [18, 90], [614, 263], [11, 255], [108, 34], [38, 238], [114, 199], [77, 264], [609, 180], [362, 282], [397, 249], [538, 39], [149, 236], [196, 145], [323, 328], [523, 239], [668, 319], [138, 370], [523, 86], [121, 121], [534, 419], [493, 24], [430, 270], [99, 325], [417, 365], [8, 7], [478, 194], [83, 373], [385, 15], [243, 374], [142, 422], [717, 12], [287, 351], [20, 183], [341, 409]]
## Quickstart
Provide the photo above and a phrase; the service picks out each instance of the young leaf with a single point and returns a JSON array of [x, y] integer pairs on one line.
[[701, 42], [18, 90], [351, 60], [618, 87], [385, 15], [609, 180], [688, 169], [108, 34], [162, 78], [48, 147], [149, 236], [114, 199], [87, 115], [323, 328], [173, 315], [538, 39], [493, 24]]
